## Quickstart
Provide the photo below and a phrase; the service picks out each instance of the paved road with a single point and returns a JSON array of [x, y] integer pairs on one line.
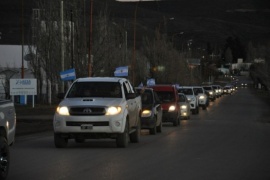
[[228, 141]]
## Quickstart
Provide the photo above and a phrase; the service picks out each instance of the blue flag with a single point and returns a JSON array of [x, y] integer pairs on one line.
[[68, 75], [151, 82], [121, 71]]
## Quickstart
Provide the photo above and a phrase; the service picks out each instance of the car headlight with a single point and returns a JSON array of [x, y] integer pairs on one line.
[[62, 111], [113, 110], [183, 107], [201, 97], [146, 113], [211, 92], [171, 108]]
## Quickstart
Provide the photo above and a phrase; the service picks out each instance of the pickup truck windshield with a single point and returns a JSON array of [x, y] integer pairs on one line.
[[95, 89]]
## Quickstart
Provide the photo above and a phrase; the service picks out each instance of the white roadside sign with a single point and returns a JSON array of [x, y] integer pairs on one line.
[[23, 87]]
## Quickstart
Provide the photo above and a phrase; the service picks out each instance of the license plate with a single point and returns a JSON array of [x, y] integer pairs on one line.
[[86, 126]]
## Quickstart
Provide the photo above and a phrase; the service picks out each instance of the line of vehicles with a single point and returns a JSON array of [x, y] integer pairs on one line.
[[110, 107]]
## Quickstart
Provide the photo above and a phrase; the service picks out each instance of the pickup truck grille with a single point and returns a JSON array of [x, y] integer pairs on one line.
[[87, 111], [105, 123]]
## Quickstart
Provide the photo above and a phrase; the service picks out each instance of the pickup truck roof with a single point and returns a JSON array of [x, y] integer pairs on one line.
[[100, 79]]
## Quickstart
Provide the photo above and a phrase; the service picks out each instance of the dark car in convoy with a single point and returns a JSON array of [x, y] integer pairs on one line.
[[169, 98], [151, 115]]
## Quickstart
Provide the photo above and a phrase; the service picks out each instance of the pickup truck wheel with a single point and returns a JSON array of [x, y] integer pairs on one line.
[[123, 138], [59, 141], [153, 130], [159, 127], [175, 122], [4, 158], [204, 107], [135, 136]]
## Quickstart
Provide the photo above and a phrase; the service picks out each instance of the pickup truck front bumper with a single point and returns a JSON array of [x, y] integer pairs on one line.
[[88, 124]]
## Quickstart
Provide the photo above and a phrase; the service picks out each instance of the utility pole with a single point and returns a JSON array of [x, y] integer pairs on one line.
[[62, 43], [72, 38], [90, 41], [22, 69], [134, 45]]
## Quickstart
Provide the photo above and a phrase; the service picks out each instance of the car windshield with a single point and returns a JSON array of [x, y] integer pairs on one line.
[[147, 97], [166, 96], [197, 91], [182, 98], [207, 88], [186, 91], [95, 89]]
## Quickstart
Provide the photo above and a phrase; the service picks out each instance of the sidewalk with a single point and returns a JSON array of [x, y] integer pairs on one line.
[[30, 124]]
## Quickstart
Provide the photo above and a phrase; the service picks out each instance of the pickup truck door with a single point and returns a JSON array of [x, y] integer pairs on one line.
[[132, 105]]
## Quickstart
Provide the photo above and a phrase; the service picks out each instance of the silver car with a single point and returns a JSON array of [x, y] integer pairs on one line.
[[184, 106]]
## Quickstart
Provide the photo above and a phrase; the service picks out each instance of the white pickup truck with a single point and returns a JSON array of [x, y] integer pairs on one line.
[[98, 107], [7, 134]]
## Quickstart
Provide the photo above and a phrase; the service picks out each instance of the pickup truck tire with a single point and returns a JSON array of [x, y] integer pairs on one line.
[[59, 141], [4, 158], [204, 107], [135, 136], [159, 127], [176, 122], [122, 139], [153, 130]]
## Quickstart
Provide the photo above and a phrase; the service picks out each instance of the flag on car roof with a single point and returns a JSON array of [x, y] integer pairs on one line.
[[68, 75], [121, 71], [151, 82]]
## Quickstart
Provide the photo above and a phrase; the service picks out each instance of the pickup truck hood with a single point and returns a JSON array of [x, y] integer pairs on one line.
[[92, 102]]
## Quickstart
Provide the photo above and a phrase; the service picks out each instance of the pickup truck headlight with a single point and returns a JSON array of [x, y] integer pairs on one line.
[[171, 108], [183, 107], [146, 113], [201, 97], [62, 111], [113, 110]]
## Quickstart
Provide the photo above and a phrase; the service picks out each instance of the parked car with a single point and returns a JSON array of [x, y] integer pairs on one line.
[[168, 96], [151, 115], [193, 100], [210, 92], [202, 96], [184, 106]]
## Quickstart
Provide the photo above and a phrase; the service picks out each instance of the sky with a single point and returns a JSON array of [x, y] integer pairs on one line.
[[11, 56]]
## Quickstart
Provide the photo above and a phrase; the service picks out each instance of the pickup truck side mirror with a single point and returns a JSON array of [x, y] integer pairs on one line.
[[131, 95], [60, 95]]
